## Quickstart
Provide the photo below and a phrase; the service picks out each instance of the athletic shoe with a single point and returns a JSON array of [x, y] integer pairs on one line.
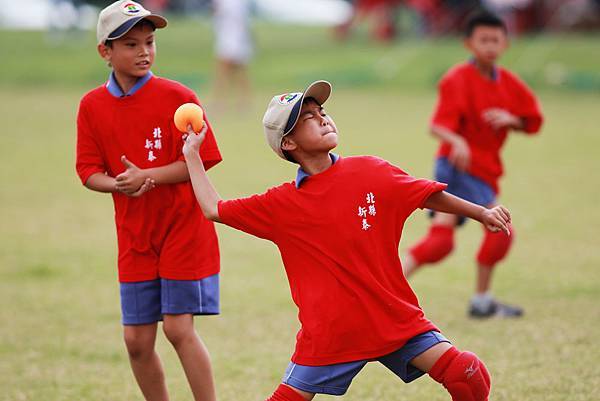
[[495, 309]]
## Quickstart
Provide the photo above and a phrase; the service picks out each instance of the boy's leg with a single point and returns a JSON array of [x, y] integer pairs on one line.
[[439, 240], [493, 249], [192, 353], [434, 246], [140, 308], [463, 374], [145, 362], [180, 300]]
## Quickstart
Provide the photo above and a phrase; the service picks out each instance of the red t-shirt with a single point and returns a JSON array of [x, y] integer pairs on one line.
[[141, 128], [338, 235], [464, 95]]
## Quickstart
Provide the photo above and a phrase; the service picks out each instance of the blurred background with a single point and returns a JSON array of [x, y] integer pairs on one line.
[[60, 336]]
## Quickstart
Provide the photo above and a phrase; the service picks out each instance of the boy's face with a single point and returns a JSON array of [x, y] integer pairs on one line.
[[315, 132], [132, 54], [487, 43]]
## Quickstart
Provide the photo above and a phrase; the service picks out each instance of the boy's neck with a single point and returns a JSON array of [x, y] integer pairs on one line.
[[125, 82], [484, 69], [316, 164]]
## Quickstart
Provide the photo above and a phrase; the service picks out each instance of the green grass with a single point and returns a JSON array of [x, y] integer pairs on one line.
[[289, 55], [60, 337]]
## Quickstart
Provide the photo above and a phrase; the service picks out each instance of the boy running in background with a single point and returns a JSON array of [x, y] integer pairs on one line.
[[338, 226], [127, 145], [478, 104]]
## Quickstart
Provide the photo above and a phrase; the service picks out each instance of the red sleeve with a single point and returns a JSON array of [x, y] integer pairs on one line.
[[253, 215], [447, 111], [527, 107], [412, 192], [209, 150], [89, 158]]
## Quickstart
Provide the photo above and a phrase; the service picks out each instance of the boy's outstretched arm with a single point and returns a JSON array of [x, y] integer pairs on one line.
[[494, 219], [206, 194]]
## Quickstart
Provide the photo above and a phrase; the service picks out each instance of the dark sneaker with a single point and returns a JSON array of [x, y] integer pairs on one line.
[[495, 309]]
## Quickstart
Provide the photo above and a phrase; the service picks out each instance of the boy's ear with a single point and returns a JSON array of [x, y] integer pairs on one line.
[[467, 43], [104, 51], [288, 144]]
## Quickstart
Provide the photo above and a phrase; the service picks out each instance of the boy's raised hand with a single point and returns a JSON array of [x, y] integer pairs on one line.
[[496, 219], [192, 140], [131, 180]]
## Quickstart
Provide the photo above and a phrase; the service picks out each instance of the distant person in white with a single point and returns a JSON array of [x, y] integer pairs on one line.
[[234, 49]]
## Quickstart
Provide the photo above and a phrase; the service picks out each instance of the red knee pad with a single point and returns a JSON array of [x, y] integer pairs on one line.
[[463, 375], [435, 246], [494, 247], [285, 393]]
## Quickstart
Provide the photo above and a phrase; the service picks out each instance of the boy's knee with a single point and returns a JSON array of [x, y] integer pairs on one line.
[[138, 347], [494, 247], [176, 332], [463, 374], [435, 246]]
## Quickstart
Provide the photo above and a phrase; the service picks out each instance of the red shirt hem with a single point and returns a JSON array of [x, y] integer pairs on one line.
[[357, 356]]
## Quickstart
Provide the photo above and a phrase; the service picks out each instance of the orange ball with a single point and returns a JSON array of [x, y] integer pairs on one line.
[[189, 113]]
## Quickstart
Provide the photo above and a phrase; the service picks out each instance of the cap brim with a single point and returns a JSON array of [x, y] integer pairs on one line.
[[318, 90], [157, 20]]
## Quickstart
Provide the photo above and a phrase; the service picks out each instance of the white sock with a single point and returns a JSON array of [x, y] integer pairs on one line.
[[482, 300]]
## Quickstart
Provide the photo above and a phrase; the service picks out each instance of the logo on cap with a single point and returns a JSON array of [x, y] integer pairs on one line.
[[130, 9], [288, 98]]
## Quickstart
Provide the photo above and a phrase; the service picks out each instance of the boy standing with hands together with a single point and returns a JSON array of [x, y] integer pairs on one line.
[[127, 145], [338, 226]]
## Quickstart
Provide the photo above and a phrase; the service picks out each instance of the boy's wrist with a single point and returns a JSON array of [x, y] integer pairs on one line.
[[457, 140], [481, 214], [191, 154], [519, 122]]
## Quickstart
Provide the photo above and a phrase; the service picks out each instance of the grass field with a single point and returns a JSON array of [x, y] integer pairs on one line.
[[60, 337]]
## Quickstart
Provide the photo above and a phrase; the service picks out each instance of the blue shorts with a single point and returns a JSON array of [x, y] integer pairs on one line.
[[463, 185], [335, 379], [146, 302]]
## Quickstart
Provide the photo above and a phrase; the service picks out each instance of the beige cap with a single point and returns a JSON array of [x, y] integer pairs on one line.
[[283, 112], [118, 18]]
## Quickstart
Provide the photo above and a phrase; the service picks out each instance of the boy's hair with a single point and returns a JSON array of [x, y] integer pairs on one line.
[[286, 153], [140, 24], [484, 18]]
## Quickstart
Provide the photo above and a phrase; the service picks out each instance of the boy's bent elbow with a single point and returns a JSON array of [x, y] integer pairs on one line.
[[210, 212], [532, 125], [212, 215]]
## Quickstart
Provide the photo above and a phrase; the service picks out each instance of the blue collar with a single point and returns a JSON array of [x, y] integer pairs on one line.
[[115, 90], [494, 70], [302, 175]]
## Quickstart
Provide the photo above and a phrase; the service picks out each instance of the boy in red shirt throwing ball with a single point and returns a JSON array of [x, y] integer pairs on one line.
[[127, 145], [338, 226], [478, 104]]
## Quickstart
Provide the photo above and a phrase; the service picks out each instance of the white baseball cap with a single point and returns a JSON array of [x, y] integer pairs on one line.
[[118, 18], [283, 112]]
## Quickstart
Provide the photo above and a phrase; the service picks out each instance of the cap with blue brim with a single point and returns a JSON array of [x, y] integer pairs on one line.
[[283, 112], [117, 19]]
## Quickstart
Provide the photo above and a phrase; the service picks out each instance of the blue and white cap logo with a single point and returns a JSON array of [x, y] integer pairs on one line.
[[289, 98]]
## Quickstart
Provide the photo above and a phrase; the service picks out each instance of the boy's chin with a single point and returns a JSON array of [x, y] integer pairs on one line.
[[332, 146]]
